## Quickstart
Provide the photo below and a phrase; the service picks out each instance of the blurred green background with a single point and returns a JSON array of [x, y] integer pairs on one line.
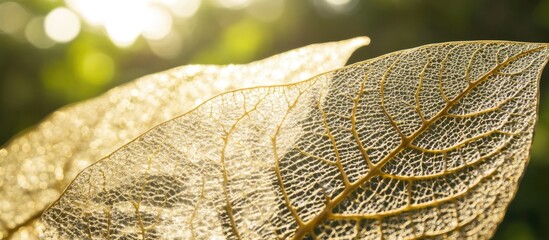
[[54, 52]]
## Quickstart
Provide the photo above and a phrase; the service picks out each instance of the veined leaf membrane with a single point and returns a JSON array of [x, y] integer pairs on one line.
[[428, 142], [36, 166]]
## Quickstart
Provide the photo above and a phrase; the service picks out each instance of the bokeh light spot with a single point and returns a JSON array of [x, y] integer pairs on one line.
[[338, 2], [158, 24], [167, 47], [13, 17], [36, 34], [93, 67], [266, 10], [122, 32], [125, 20], [239, 43], [336, 6], [62, 25], [245, 38], [233, 4], [96, 68], [183, 8]]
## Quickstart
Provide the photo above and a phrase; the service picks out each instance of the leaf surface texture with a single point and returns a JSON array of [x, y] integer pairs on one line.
[[36, 166], [428, 142]]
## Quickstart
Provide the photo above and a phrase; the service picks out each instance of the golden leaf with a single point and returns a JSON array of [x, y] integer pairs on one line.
[[36, 166], [420, 143]]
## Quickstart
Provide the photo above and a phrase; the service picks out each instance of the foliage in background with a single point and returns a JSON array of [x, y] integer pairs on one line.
[[36, 80]]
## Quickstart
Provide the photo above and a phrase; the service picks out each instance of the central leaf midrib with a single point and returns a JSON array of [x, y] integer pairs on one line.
[[309, 225]]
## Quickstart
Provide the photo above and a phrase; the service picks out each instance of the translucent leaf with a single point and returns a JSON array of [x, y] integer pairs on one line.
[[428, 142], [36, 166]]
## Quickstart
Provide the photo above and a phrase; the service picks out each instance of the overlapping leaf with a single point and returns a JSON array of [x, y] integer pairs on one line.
[[421, 143], [36, 166]]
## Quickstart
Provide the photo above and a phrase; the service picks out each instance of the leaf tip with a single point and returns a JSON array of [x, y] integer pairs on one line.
[[360, 41]]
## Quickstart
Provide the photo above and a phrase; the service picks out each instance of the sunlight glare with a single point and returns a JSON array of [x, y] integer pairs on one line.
[[125, 20], [93, 12]]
